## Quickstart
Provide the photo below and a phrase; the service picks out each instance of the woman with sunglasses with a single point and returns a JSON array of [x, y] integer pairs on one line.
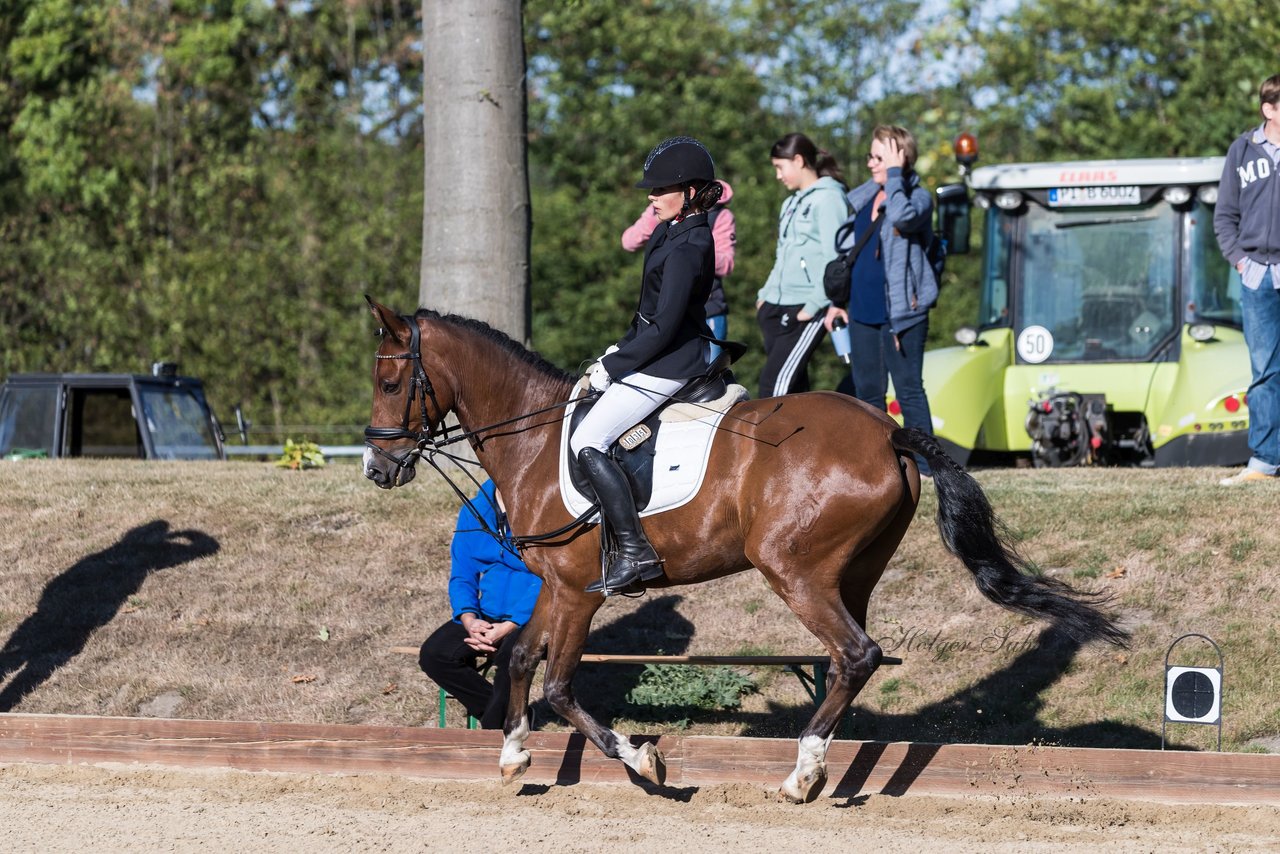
[[790, 306], [892, 283]]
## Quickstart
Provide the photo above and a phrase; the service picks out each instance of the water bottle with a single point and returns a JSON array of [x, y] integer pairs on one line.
[[840, 338]]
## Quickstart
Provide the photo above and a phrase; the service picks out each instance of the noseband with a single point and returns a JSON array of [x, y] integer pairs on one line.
[[420, 389]]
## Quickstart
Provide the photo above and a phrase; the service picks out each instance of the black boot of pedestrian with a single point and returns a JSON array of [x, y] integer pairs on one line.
[[636, 560]]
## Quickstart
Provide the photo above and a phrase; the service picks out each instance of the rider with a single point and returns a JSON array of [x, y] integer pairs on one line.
[[663, 349]]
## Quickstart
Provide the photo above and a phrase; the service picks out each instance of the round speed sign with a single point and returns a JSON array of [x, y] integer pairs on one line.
[[1035, 344]]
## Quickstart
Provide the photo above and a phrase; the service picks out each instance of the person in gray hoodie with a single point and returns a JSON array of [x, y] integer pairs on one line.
[[791, 305], [1247, 224], [892, 283]]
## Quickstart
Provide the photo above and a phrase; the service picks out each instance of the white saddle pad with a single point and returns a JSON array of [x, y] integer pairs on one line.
[[680, 458]]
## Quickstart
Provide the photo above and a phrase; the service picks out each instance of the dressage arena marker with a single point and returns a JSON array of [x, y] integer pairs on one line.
[[1192, 695], [854, 768]]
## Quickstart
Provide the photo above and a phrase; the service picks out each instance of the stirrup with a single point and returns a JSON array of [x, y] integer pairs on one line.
[[635, 572]]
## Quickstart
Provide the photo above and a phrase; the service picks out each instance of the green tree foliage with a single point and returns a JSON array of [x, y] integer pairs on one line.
[[218, 182], [213, 183], [1150, 78]]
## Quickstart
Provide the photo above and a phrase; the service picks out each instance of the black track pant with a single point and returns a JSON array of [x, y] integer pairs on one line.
[[788, 345], [452, 664]]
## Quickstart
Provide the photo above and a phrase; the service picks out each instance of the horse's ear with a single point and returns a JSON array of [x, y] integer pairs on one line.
[[390, 322]]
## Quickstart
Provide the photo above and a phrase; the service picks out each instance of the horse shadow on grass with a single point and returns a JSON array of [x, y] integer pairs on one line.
[[86, 597], [1001, 708], [1004, 708]]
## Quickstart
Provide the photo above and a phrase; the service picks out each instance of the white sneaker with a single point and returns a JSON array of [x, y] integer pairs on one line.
[[1245, 475]]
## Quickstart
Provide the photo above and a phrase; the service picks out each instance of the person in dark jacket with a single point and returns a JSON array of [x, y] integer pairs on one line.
[[724, 236], [1247, 224], [664, 347], [892, 283], [492, 594]]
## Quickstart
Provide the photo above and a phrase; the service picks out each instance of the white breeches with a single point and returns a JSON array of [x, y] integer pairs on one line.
[[623, 405]]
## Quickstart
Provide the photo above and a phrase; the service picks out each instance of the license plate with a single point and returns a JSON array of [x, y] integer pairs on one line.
[[1066, 197]]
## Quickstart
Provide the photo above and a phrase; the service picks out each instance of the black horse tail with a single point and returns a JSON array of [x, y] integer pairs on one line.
[[972, 532]]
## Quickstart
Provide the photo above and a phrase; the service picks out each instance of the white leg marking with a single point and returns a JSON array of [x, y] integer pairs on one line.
[[513, 753], [628, 754], [646, 760], [811, 767]]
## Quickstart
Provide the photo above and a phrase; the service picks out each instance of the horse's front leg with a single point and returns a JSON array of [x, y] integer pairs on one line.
[[570, 620], [528, 651]]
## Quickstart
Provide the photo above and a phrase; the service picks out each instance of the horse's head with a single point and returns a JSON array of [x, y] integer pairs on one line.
[[407, 408]]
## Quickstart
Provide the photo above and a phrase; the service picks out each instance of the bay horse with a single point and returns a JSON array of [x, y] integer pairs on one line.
[[814, 490]]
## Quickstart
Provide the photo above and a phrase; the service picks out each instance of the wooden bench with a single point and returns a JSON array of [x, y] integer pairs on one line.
[[815, 683]]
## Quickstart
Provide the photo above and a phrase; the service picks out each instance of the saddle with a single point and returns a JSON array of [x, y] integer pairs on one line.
[[634, 451]]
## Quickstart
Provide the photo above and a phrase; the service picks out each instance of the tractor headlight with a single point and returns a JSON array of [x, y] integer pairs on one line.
[[1177, 195], [1201, 332], [1009, 200], [967, 336], [1208, 194]]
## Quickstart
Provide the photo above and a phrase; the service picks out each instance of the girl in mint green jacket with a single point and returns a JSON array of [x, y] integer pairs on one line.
[[791, 306]]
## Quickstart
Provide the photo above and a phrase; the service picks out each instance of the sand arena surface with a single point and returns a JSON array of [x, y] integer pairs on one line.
[[150, 808]]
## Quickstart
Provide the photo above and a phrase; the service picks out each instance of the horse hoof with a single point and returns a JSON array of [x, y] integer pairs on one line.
[[805, 789], [650, 764], [511, 773]]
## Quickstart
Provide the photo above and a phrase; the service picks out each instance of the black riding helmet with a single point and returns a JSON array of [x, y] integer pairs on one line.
[[679, 160]]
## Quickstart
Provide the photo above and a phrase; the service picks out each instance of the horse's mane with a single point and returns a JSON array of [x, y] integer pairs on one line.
[[500, 338]]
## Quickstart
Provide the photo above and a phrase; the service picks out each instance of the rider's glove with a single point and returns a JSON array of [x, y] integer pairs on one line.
[[599, 377]]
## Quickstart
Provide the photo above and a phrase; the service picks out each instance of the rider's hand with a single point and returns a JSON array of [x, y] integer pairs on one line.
[[599, 377]]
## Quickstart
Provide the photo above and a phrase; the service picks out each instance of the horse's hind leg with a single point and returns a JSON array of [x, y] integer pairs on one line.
[[840, 623], [854, 657]]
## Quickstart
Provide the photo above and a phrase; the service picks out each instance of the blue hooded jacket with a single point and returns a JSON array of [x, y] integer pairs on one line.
[[911, 286], [487, 579]]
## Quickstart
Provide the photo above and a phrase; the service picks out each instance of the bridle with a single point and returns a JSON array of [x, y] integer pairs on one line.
[[420, 389]]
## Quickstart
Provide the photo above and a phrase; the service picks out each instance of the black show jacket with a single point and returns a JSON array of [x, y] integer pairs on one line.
[[665, 338]]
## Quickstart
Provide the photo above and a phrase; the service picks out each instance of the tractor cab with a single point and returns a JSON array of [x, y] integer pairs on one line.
[[1109, 324]]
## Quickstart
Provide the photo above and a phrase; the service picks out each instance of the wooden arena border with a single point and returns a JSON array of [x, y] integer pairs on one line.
[[855, 768]]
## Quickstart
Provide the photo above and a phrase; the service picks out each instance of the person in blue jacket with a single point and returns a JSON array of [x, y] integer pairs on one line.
[[492, 594], [892, 284]]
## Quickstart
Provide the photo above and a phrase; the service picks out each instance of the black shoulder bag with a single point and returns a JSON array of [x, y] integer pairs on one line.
[[835, 279]]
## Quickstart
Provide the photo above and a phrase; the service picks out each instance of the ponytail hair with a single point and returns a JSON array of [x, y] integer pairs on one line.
[[819, 160], [707, 196]]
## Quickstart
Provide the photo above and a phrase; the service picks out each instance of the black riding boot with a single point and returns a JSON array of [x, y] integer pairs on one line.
[[636, 560]]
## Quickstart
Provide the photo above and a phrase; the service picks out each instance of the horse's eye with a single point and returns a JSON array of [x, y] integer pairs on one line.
[[390, 387], [377, 333]]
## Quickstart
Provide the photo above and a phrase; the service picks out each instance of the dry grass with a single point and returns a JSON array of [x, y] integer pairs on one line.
[[242, 591]]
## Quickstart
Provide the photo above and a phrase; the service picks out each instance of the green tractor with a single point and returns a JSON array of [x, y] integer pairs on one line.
[[1109, 327]]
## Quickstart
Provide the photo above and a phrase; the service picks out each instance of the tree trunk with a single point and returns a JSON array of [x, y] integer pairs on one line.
[[476, 219]]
